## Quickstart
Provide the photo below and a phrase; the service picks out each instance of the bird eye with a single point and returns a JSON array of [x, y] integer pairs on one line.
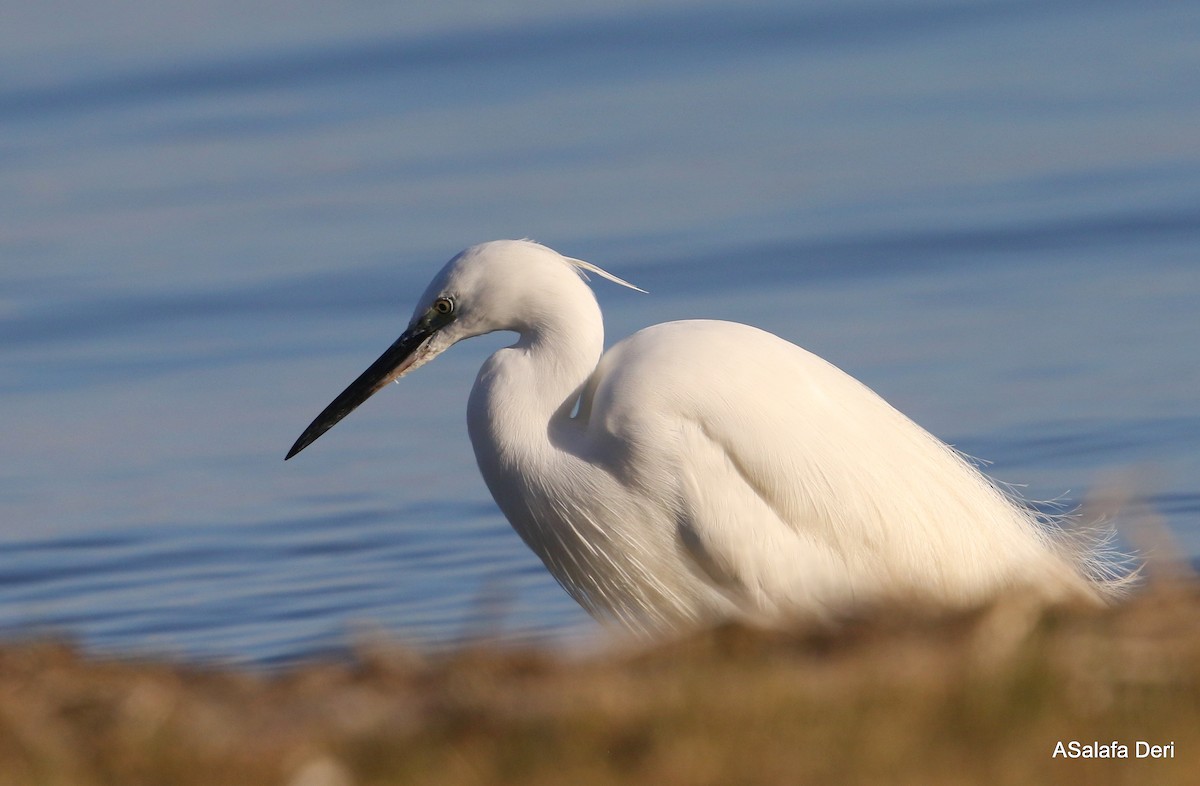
[[443, 305]]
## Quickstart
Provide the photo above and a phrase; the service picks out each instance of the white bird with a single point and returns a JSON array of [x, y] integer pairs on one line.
[[702, 470]]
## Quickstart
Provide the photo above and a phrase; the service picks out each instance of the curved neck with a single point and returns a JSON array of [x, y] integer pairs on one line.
[[525, 393]]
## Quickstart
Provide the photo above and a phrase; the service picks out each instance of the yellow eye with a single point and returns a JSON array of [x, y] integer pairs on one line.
[[443, 305]]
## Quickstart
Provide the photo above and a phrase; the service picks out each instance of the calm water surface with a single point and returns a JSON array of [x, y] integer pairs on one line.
[[211, 219]]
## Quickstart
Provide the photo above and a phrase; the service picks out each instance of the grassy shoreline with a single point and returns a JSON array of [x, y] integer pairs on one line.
[[896, 696]]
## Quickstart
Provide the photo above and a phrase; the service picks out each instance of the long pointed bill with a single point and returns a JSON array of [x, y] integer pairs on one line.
[[410, 350]]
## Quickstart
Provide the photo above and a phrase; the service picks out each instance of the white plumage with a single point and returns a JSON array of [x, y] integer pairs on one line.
[[706, 469]]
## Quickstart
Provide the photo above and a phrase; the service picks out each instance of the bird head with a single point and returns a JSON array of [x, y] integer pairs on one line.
[[500, 285]]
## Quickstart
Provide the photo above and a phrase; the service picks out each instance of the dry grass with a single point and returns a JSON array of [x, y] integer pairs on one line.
[[895, 697]]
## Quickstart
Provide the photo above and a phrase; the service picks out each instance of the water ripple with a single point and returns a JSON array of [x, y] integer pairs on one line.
[[619, 42]]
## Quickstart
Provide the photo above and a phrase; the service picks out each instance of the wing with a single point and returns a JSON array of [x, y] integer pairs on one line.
[[792, 484], [725, 422]]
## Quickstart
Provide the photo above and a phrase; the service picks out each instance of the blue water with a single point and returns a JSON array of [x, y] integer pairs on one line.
[[212, 218]]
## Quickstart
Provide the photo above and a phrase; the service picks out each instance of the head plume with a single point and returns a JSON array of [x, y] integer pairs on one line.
[[583, 268]]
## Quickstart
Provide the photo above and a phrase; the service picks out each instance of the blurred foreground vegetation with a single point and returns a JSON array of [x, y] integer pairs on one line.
[[893, 697]]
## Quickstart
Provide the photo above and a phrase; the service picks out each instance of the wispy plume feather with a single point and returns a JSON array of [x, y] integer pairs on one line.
[[587, 267]]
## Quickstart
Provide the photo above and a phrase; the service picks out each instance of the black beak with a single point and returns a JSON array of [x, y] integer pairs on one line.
[[391, 364]]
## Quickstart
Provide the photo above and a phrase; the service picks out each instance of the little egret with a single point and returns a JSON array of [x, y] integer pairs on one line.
[[703, 469]]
